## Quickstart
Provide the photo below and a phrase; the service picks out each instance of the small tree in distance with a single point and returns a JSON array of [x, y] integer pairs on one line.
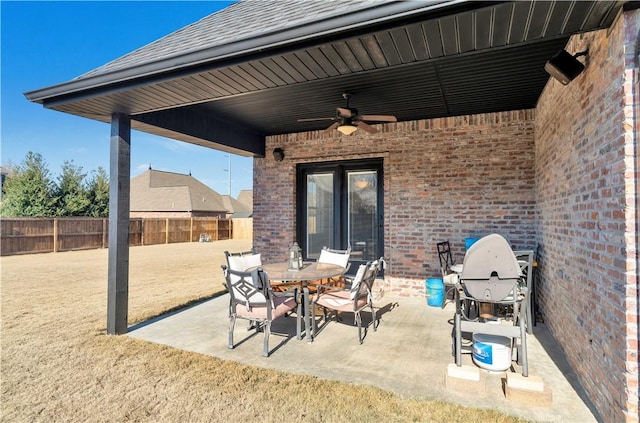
[[29, 191], [98, 190], [71, 192]]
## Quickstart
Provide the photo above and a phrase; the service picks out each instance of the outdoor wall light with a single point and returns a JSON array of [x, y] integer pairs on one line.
[[347, 129], [278, 154], [564, 67]]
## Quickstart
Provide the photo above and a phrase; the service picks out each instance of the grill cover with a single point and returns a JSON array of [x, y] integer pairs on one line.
[[490, 271]]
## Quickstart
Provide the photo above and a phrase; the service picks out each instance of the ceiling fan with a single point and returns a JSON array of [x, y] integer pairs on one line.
[[347, 119]]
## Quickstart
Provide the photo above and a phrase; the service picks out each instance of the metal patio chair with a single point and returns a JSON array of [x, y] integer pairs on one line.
[[252, 299], [349, 300]]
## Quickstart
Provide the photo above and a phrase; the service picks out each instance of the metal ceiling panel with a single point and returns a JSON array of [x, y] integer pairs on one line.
[[417, 41], [433, 38], [449, 35], [361, 54], [501, 23], [519, 21], [403, 46], [577, 16], [465, 25], [484, 27], [556, 26], [538, 20]]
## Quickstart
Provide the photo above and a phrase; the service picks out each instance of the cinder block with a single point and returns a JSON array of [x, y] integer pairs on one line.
[[464, 379], [470, 373], [530, 383], [537, 397]]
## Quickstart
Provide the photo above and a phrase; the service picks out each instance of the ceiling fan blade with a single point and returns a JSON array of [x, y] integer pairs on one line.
[[344, 112], [367, 128], [315, 119], [331, 128], [379, 118]]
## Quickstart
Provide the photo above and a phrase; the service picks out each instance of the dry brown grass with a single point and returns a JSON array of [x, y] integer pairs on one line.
[[58, 364]]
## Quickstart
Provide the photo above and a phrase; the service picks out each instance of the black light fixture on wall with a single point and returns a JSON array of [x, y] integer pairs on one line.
[[278, 154], [564, 67]]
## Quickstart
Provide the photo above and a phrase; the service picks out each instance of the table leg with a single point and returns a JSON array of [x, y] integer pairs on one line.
[[307, 314], [298, 320]]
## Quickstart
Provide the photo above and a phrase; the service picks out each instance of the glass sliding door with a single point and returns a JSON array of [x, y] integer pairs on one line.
[[339, 206], [363, 214], [319, 207]]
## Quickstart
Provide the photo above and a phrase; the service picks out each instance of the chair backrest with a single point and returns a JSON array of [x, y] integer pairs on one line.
[[339, 257], [250, 289], [490, 271], [445, 257], [242, 261], [525, 260], [363, 285], [356, 283]]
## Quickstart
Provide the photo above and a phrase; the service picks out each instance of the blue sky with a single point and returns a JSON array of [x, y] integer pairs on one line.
[[48, 42]]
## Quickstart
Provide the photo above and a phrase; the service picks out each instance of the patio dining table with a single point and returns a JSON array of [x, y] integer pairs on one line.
[[311, 271]]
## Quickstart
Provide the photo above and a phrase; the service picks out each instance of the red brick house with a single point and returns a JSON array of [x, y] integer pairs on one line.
[[485, 142]]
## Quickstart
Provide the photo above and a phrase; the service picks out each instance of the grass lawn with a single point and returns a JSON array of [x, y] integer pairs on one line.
[[57, 363]]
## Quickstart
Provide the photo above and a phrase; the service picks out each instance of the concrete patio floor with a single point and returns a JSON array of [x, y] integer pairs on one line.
[[408, 355]]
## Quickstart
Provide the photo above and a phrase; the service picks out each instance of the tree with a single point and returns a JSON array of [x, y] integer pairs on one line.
[[98, 189], [71, 192], [29, 191]]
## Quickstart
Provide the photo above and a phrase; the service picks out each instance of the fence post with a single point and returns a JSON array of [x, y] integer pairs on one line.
[[167, 232], [191, 230], [104, 233], [55, 234]]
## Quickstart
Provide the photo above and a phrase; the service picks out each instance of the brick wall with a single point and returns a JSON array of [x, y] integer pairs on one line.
[[447, 178], [563, 177], [584, 152]]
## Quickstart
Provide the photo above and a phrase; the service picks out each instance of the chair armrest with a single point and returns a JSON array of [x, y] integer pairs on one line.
[[225, 269], [288, 293], [325, 288]]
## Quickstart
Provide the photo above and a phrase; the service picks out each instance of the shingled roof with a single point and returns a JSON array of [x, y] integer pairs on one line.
[[246, 197], [244, 20], [236, 207], [160, 191]]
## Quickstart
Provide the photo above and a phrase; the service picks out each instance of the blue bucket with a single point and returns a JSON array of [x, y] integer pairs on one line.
[[468, 242], [435, 292]]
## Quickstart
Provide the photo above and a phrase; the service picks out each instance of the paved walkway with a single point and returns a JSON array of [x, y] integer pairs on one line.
[[408, 355]]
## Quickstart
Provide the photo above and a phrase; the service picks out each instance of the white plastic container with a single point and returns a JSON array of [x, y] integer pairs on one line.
[[492, 352]]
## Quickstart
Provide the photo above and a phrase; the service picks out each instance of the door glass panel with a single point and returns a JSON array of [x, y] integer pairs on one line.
[[319, 213], [362, 206]]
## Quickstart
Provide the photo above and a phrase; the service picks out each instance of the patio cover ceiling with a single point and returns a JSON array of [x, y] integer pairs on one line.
[[254, 69]]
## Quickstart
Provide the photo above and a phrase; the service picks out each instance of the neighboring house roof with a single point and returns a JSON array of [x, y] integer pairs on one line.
[[236, 207], [156, 190], [246, 197]]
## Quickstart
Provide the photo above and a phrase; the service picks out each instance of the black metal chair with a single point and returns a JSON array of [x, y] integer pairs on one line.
[[449, 277]]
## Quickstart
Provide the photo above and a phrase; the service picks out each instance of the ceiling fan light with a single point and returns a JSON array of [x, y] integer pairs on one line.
[[347, 129]]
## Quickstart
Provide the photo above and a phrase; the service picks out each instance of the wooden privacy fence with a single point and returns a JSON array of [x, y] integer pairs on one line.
[[45, 235]]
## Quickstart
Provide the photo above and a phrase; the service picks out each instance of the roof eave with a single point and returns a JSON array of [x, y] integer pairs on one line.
[[256, 46]]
